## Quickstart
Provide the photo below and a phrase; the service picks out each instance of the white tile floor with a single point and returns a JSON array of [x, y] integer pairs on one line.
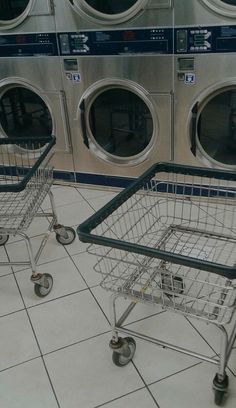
[[54, 351]]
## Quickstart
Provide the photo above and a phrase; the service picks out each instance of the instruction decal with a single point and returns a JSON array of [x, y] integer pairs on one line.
[[189, 79], [76, 77]]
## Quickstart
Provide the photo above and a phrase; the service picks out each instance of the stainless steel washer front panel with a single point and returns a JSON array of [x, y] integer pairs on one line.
[[32, 103], [205, 111], [72, 15], [128, 97], [204, 12]]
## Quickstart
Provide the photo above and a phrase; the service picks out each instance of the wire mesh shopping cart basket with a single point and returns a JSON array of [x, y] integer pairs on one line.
[[26, 177], [169, 239]]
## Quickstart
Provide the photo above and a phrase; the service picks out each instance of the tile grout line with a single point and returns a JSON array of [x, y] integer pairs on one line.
[[216, 354], [26, 310], [42, 358], [146, 386], [37, 342], [75, 343], [19, 364], [56, 298], [88, 287], [173, 374], [118, 398], [199, 333], [38, 264], [42, 355]]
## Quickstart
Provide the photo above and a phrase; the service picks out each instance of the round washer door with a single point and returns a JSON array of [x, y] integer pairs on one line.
[[118, 124], [109, 11], [13, 12], [23, 113], [216, 129], [223, 7]]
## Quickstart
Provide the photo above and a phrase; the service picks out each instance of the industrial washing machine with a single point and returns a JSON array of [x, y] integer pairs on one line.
[[32, 100], [119, 87], [26, 16], [73, 15], [204, 12], [205, 96]]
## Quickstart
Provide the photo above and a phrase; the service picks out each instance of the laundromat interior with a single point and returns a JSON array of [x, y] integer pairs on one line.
[[117, 203]]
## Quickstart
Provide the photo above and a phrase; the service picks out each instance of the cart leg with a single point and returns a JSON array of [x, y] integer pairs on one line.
[[221, 381], [223, 353], [64, 235], [113, 319], [53, 206], [43, 282], [31, 256], [123, 348]]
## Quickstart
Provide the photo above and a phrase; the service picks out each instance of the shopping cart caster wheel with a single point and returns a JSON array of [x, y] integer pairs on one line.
[[125, 354], [42, 290], [219, 396], [3, 239], [220, 389], [66, 240]]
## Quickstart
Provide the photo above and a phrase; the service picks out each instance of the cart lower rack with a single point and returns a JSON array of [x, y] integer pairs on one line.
[[169, 239], [26, 176]]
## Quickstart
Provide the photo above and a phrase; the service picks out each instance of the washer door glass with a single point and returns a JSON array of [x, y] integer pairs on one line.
[[217, 127], [111, 6], [231, 2], [12, 9], [24, 114], [121, 122]]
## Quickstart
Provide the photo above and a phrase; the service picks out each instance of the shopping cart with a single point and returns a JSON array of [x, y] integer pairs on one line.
[[169, 239], [26, 176]]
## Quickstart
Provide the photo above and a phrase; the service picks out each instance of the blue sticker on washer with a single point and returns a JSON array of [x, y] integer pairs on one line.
[[189, 79], [76, 77]]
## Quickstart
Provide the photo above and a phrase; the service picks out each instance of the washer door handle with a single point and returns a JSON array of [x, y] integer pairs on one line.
[[194, 128], [83, 123]]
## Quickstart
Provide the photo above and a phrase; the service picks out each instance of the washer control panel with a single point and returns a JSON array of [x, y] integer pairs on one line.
[[216, 39], [28, 45], [117, 42]]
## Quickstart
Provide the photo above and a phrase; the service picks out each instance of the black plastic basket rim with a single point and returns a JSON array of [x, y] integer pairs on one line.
[[84, 229], [20, 185], [25, 140]]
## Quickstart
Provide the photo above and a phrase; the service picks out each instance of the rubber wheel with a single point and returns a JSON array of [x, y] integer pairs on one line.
[[121, 360], [219, 396], [42, 291], [3, 239], [70, 238]]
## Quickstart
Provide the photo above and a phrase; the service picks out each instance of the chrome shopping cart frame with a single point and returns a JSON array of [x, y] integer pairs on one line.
[[169, 239], [26, 177]]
